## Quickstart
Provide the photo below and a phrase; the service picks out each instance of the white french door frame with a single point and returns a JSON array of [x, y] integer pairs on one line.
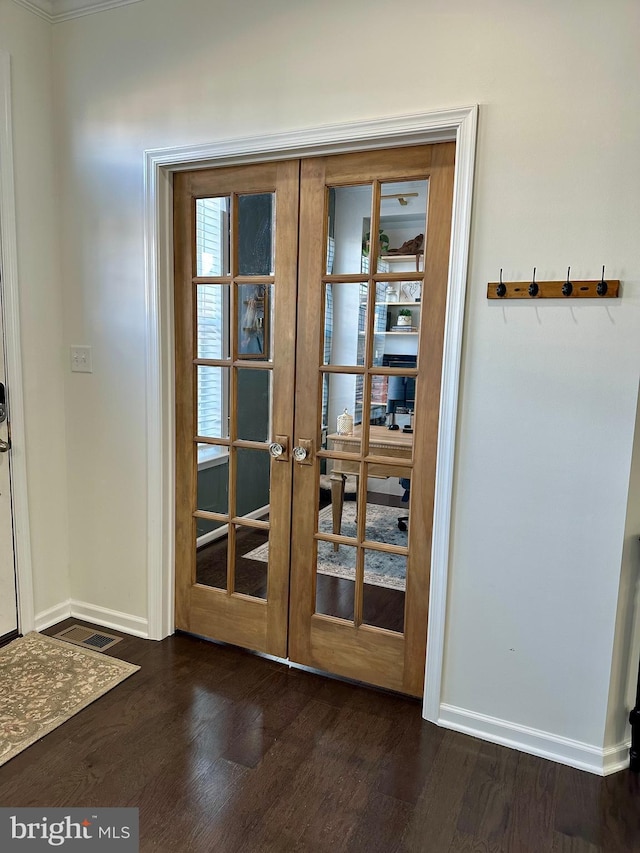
[[459, 125], [13, 363]]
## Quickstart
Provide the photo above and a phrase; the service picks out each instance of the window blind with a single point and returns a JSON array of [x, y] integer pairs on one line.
[[212, 322]]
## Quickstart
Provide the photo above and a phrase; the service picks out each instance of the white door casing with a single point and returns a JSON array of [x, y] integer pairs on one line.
[[459, 125]]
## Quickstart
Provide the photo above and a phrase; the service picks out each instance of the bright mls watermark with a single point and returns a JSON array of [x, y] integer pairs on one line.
[[69, 829]]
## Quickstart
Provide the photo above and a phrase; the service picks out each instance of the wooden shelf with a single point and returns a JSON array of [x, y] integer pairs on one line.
[[391, 333], [400, 304], [401, 257], [390, 259]]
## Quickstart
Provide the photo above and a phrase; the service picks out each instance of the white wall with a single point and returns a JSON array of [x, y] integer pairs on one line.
[[27, 39], [548, 390]]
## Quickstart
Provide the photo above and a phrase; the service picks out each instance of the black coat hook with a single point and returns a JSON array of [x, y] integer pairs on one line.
[[501, 289], [533, 287], [602, 286], [567, 287]]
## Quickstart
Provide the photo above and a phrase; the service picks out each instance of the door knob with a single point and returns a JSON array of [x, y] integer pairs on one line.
[[4, 446], [302, 451], [279, 449]]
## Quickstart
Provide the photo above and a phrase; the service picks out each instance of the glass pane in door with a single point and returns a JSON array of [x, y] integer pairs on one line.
[[398, 315], [251, 561], [211, 554], [387, 509], [345, 323], [385, 581], [342, 395], [256, 234], [212, 236], [339, 515], [403, 219], [392, 410], [212, 321], [335, 580], [253, 480], [213, 478], [212, 405], [255, 321], [253, 406], [349, 243]]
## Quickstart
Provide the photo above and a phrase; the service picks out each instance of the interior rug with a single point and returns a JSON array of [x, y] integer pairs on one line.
[[44, 682], [382, 526]]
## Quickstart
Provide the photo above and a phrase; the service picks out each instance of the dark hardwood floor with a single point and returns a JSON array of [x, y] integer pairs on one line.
[[225, 751]]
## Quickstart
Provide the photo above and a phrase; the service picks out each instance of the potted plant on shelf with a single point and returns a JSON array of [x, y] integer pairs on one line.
[[383, 243], [404, 317]]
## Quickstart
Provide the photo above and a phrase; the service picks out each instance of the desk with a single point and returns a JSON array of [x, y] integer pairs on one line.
[[382, 442]]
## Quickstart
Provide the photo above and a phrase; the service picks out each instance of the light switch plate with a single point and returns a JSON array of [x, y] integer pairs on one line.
[[81, 359]]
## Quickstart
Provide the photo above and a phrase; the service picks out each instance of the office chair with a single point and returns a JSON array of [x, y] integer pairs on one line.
[[401, 391], [396, 399]]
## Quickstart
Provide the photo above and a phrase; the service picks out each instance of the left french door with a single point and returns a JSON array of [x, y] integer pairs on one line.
[[236, 252]]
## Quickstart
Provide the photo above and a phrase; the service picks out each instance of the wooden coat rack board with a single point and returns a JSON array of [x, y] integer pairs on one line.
[[567, 289]]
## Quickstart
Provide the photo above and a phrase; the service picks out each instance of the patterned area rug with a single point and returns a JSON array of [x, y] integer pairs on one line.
[[380, 569], [44, 682]]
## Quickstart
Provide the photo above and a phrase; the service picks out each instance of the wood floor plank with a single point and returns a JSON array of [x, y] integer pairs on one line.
[[381, 824], [486, 807], [566, 844], [462, 843], [532, 813], [620, 811], [276, 785], [433, 822], [577, 807], [410, 757]]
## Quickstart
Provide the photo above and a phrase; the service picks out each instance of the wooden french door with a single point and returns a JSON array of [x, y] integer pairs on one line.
[[236, 251], [284, 295]]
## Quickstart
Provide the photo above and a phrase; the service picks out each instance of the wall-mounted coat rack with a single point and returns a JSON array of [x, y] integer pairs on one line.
[[567, 289]]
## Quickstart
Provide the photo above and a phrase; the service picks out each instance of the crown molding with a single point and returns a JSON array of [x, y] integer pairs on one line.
[[41, 8], [57, 11]]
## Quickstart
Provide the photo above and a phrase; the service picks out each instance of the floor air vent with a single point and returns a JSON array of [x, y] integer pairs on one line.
[[88, 638]]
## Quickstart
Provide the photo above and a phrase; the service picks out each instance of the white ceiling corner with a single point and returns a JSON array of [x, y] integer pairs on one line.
[[41, 8], [57, 11]]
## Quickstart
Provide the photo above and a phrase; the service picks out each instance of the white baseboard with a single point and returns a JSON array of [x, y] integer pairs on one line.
[[212, 536], [102, 616], [47, 618], [616, 758], [124, 622], [573, 753]]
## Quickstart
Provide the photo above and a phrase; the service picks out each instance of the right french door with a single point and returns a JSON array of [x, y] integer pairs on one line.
[[347, 415]]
